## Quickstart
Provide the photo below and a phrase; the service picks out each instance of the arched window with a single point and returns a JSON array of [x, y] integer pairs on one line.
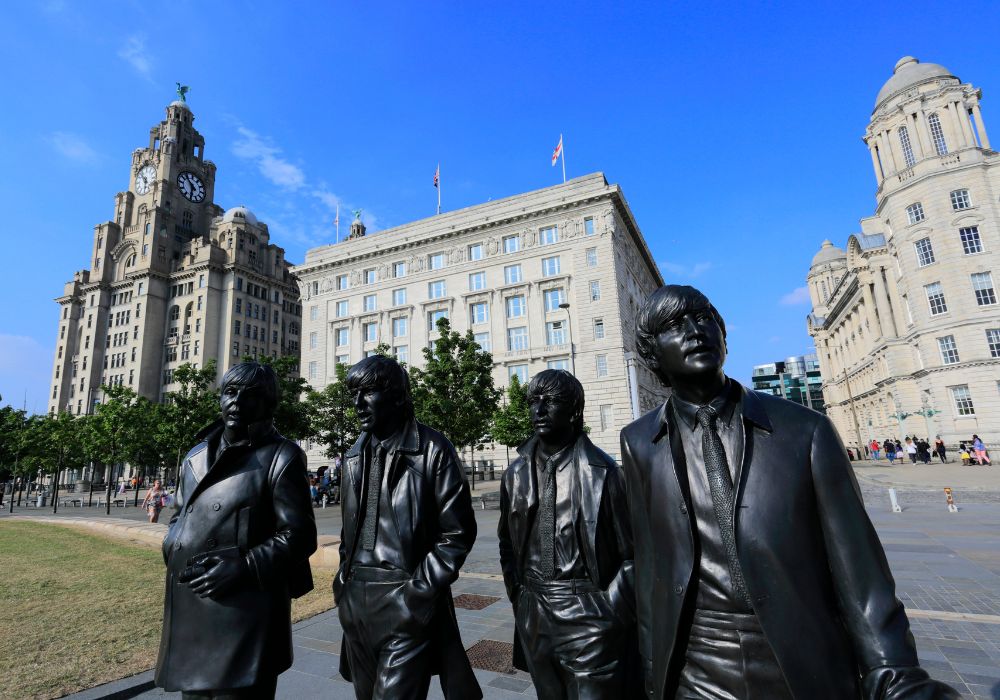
[[937, 134], [131, 261], [904, 143]]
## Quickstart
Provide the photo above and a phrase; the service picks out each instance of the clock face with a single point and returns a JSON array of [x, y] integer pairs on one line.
[[144, 179], [191, 186]]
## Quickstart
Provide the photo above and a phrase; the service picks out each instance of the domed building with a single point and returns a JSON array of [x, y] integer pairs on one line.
[[906, 320], [172, 279]]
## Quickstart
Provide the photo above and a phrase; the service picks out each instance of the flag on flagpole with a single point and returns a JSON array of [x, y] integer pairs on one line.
[[437, 176], [336, 222], [558, 152]]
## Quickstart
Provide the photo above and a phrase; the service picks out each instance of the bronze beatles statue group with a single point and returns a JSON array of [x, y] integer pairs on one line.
[[729, 556]]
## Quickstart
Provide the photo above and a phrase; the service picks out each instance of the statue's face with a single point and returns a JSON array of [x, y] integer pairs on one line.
[[692, 345], [552, 417], [243, 405], [378, 410]]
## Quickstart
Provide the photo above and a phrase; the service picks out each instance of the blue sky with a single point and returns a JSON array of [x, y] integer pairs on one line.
[[734, 129]]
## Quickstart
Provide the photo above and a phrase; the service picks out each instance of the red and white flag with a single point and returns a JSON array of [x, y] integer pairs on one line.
[[437, 176], [558, 152]]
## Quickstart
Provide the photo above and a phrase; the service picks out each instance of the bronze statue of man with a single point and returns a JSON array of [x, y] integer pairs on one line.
[[408, 525], [758, 572], [237, 550], [566, 553]]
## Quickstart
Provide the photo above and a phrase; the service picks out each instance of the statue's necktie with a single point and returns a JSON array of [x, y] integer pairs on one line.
[[547, 521], [720, 483], [370, 526]]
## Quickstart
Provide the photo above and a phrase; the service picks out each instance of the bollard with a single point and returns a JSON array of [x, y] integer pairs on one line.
[[895, 503], [952, 508]]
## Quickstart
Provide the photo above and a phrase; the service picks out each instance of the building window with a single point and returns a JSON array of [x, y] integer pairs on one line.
[[925, 253], [483, 340], [341, 308], [598, 329], [435, 261], [949, 351], [239, 305], [963, 400], [915, 213], [399, 327], [398, 297], [477, 281], [342, 360], [517, 338], [588, 226], [479, 312], [313, 313], [236, 327], [371, 332], [512, 274], [606, 413], [369, 275], [595, 290], [591, 257], [971, 243], [553, 298], [960, 200], [343, 282], [993, 341], [602, 365], [515, 306], [982, 283], [313, 369], [436, 289], [937, 134], [313, 340], [399, 269], [558, 364], [550, 266], [476, 251], [434, 316], [402, 353], [369, 302], [904, 143], [548, 235], [935, 298], [342, 337], [555, 333], [511, 244], [520, 371]]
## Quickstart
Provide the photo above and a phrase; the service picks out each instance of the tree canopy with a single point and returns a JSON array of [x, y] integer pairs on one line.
[[333, 418], [512, 422]]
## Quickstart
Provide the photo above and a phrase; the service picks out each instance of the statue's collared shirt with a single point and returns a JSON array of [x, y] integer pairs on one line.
[[715, 589], [568, 556], [388, 553]]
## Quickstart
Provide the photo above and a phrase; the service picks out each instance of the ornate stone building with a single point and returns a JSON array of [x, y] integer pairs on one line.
[[551, 278], [906, 320], [172, 279]]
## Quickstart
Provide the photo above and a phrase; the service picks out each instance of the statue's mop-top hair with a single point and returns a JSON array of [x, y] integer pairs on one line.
[[665, 305], [384, 374], [257, 375], [559, 382]]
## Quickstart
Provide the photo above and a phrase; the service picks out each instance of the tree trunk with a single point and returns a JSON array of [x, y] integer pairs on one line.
[[55, 488], [111, 471]]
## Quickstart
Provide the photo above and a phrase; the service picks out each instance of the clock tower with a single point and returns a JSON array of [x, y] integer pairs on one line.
[[173, 279]]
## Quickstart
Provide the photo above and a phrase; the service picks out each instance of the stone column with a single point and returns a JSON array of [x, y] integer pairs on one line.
[[925, 133], [887, 151], [962, 114], [882, 301], [870, 307], [876, 165], [977, 115], [952, 124]]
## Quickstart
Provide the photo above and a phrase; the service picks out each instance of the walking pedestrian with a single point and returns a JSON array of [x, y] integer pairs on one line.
[[939, 449], [911, 449], [899, 450], [153, 502], [963, 454], [890, 450], [980, 449], [875, 449], [924, 451]]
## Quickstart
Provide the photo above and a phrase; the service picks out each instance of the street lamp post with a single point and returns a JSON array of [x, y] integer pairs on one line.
[[569, 325]]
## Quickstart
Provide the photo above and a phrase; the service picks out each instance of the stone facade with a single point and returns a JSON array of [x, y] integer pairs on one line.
[[501, 269], [906, 320], [172, 279]]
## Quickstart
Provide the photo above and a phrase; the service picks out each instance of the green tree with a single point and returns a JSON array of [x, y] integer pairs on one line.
[[291, 417], [186, 411], [512, 421], [57, 442], [121, 431], [332, 415], [454, 391], [13, 422]]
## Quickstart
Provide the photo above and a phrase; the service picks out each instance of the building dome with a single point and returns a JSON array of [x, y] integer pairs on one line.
[[239, 215], [180, 103], [828, 252], [909, 72]]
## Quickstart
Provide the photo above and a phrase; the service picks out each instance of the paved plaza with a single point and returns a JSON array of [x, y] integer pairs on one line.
[[946, 565]]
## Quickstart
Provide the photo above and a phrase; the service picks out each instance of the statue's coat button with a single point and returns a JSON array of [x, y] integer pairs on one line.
[[211, 543], [678, 589], [216, 506], [684, 508], [190, 508]]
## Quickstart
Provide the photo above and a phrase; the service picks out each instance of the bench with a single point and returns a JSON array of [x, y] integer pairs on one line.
[[491, 498], [114, 501], [71, 501]]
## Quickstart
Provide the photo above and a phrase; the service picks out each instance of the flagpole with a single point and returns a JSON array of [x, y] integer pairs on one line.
[[563, 149], [337, 221], [439, 188]]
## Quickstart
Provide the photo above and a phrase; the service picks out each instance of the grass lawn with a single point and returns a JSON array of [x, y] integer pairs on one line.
[[79, 609]]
